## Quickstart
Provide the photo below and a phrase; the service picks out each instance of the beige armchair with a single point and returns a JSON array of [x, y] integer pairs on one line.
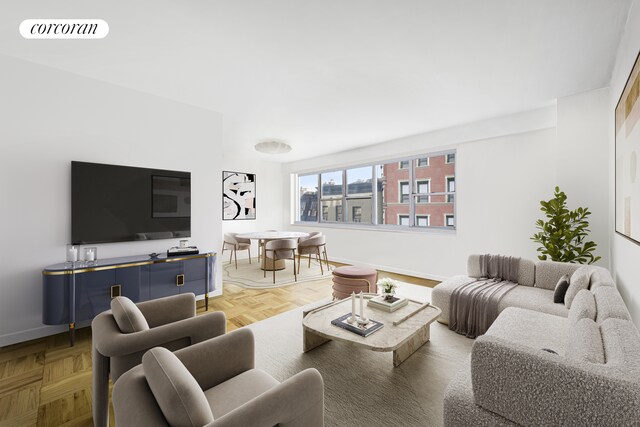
[[234, 243], [280, 249], [314, 244], [122, 335], [215, 384]]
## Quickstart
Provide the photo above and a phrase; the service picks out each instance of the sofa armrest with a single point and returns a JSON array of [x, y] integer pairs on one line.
[[534, 387], [166, 310], [296, 402], [217, 360], [110, 342]]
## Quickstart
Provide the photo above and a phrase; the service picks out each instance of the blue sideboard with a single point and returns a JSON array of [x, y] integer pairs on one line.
[[79, 292]]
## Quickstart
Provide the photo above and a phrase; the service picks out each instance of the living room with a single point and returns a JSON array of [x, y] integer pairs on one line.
[[524, 97]]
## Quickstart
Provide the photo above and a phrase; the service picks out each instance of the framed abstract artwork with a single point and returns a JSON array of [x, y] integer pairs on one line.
[[238, 195], [627, 150]]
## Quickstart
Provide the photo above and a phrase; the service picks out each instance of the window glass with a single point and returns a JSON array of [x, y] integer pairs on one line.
[[403, 219], [332, 184], [404, 164], [451, 158], [449, 221], [404, 192], [308, 192], [423, 161], [332, 210], [360, 210], [422, 187], [422, 220], [359, 181]]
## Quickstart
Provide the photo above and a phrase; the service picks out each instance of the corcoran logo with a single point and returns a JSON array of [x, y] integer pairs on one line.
[[64, 29]]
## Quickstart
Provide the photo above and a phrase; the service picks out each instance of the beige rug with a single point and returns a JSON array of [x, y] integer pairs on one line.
[[251, 275], [362, 388]]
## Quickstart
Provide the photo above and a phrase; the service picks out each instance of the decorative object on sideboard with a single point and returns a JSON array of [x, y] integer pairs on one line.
[[388, 287], [72, 255], [563, 235], [90, 255], [238, 195], [627, 146], [182, 250]]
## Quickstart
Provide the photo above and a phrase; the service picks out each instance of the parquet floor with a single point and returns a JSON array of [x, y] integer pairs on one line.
[[45, 382]]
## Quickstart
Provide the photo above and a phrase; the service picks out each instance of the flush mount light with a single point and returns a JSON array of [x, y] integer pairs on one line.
[[273, 147]]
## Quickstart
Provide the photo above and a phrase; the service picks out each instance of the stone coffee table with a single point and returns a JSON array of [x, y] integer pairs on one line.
[[403, 339]]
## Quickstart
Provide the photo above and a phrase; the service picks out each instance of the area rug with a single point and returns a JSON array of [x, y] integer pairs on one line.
[[251, 275], [362, 388]]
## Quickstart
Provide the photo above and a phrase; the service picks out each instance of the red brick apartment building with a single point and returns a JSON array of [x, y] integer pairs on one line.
[[432, 175]]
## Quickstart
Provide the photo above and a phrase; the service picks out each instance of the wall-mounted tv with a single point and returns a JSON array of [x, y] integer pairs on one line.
[[120, 203]]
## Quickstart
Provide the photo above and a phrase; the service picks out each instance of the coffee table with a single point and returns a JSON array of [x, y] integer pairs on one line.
[[403, 339]]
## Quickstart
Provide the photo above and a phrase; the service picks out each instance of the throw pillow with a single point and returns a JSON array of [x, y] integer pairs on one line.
[[580, 279], [583, 306], [180, 398], [561, 289], [128, 316]]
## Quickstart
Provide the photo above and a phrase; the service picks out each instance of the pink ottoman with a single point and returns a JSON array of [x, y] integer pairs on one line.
[[350, 279]]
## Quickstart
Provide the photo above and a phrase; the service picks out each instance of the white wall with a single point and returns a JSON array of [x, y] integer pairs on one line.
[[269, 197], [499, 180], [625, 254], [581, 160], [52, 117]]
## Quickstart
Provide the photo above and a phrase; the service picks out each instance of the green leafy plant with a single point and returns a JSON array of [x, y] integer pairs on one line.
[[563, 235]]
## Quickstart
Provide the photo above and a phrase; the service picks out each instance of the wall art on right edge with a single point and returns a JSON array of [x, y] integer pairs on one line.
[[627, 148], [238, 195]]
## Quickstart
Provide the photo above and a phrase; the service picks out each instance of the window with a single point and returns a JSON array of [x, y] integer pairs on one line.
[[417, 191], [422, 220], [422, 162], [422, 187], [356, 214], [449, 220], [404, 192]]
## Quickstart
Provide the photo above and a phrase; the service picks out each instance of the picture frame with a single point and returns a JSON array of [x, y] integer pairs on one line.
[[627, 151], [238, 196]]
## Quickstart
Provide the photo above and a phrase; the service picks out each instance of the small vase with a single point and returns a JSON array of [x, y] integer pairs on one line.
[[388, 296]]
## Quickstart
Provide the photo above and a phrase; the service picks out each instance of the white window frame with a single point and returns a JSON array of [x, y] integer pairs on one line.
[[423, 166], [446, 158], [427, 216], [419, 194], [400, 193], [453, 216], [400, 216]]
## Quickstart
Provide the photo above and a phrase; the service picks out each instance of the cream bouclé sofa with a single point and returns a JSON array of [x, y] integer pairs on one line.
[[543, 364]]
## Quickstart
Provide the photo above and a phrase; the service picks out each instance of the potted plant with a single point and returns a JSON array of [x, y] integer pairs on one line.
[[388, 287], [563, 235]]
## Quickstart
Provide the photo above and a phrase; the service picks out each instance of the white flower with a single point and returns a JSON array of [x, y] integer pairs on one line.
[[387, 284]]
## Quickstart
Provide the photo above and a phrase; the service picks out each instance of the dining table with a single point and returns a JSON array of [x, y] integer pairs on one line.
[[270, 264]]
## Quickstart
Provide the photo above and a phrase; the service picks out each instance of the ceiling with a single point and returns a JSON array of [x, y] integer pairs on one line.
[[331, 75]]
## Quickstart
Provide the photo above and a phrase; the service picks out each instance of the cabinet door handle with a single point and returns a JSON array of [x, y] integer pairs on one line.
[[116, 291], [180, 280]]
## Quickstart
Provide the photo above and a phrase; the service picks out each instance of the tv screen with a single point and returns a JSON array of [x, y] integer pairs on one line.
[[120, 203]]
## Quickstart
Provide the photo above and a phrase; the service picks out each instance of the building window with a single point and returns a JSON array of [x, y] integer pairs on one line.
[[449, 220], [422, 220], [356, 213], [422, 162], [404, 192], [417, 191], [422, 187]]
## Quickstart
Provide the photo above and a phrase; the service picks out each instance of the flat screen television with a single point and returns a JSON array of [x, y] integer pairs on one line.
[[120, 203]]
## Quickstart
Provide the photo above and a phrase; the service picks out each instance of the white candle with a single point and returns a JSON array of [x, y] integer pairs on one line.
[[362, 316], [353, 306], [73, 254], [91, 256]]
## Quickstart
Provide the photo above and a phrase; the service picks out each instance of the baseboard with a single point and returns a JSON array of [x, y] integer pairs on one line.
[[391, 269], [31, 334]]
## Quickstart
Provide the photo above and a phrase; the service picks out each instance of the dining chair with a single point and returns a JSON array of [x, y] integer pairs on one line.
[[261, 243], [281, 249], [235, 244], [315, 244]]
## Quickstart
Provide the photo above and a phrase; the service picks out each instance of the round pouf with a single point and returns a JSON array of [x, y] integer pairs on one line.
[[350, 279]]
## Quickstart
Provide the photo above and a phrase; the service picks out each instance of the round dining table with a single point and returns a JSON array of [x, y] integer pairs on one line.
[[269, 264]]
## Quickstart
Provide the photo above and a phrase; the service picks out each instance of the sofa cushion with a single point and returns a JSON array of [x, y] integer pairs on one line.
[[180, 398], [583, 307], [600, 277], [609, 304], [237, 391], [585, 342], [561, 289], [580, 280], [128, 316], [549, 272], [621, 341], [536, 299], [531, 328]]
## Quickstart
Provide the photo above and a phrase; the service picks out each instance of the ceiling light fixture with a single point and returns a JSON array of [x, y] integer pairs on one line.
[[273, 147]]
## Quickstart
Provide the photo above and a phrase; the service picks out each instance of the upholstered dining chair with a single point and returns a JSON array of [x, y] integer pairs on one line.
[[313, 245], [121, 336], [261, 243], [215, 384], [235, 244], [281, 249]]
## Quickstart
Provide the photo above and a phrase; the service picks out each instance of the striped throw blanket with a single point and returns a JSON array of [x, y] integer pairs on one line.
[[474, 305]]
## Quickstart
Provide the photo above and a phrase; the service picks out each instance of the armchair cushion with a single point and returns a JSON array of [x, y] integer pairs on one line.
[[237, 391], [580, 280], [128, 316], [180, 398], [585, 342]]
